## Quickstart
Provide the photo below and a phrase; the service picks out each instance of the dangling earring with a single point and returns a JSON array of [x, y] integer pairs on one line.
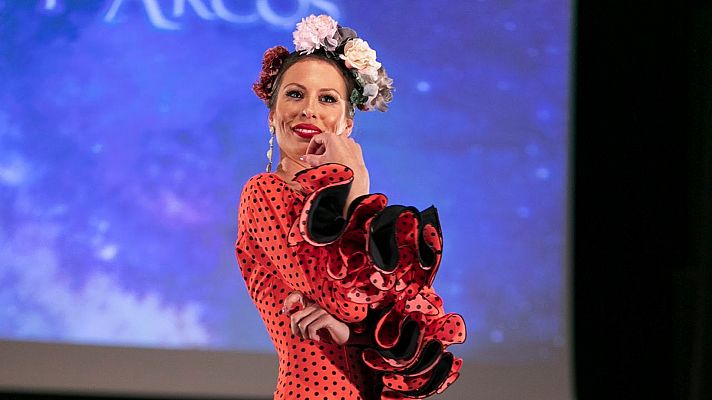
[[271, 148]]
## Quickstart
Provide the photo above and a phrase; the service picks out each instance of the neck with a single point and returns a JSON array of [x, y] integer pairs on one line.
[[289, 166]]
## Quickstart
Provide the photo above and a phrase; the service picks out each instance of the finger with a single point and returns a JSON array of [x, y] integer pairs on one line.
[[323, 322], [305, 323], [297, 316], [313, 160], [315, 142], [292, 300], [317, 149]]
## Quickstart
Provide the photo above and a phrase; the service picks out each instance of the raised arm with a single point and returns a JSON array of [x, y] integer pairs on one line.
[[332, 148]]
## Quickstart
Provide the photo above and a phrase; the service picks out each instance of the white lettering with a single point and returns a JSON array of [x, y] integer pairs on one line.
[[200, 9], [227, 15], [216, 9], [152, 9], [266, 11], [328, 7]]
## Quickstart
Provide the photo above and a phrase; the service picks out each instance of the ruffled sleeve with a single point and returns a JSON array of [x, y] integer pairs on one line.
[[379, 262], [269, 220]]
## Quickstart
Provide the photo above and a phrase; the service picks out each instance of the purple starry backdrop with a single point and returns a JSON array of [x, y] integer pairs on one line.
[[127, 129]]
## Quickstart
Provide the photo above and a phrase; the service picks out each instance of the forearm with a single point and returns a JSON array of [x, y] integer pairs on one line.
[[359, 187]]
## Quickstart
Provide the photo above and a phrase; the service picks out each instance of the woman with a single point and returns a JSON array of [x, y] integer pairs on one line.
[[341, 280]]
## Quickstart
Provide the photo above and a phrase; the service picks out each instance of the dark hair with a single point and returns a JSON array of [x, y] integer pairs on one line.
[[295, 58]]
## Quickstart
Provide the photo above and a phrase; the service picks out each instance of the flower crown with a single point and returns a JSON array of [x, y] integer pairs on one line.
[[373, 89]]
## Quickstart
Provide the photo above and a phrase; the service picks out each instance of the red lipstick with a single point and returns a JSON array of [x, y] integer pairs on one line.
[[307, 131]]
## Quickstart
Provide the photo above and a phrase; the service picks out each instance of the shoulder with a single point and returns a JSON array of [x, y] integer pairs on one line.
[[262, 180], [264, 188], [260, 183]]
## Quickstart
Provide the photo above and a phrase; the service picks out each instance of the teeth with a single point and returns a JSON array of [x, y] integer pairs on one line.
[[305, 130]]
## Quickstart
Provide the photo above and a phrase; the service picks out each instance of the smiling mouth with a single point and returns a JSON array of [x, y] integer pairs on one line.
[[306, 131]]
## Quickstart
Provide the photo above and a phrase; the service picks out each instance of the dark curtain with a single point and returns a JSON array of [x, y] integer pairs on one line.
[[642, 179]]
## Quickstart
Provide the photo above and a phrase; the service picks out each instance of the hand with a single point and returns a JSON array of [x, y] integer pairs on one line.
[[329, 147], [309, 319], [332, 148]]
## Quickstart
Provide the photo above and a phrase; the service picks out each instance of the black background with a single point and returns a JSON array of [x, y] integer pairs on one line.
[[642, 200]]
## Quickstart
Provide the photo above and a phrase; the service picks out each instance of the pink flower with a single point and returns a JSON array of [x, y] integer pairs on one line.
[[315, 32]]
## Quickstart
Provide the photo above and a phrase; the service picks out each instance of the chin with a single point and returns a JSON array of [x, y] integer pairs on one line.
[[295, 152]]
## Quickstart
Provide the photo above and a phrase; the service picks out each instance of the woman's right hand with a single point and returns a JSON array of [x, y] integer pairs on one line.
[[307, 319]]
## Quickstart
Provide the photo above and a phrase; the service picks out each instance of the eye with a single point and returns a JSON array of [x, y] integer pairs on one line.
[[296, 94], [328, 99]]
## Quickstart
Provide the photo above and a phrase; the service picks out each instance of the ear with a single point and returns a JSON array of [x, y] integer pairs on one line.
[[349, 126], [270, 118]]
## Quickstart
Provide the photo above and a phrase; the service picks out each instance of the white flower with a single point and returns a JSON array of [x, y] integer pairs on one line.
[[358, 55], [315, 32], [370, 91]]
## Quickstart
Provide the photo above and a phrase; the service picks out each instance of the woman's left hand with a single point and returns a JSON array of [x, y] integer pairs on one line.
[[306, 322]]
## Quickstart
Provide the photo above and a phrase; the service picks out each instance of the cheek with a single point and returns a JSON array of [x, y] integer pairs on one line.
[[338, 122], [334, 115], [284, 112]]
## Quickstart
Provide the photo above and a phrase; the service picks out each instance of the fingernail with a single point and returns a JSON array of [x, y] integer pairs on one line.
[[284, 310], [302, 158], [316, 337]]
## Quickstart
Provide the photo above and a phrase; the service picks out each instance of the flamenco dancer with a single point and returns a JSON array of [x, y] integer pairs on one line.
[[342, 280]]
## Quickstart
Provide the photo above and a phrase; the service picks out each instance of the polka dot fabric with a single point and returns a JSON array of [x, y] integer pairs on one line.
[[298, 240]]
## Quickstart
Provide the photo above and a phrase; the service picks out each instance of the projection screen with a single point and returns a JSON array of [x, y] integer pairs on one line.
[[128, 127]]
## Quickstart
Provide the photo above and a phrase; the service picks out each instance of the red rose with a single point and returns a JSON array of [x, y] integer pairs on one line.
[[271, 63]]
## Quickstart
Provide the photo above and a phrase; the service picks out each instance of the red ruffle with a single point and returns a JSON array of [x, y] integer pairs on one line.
[[436, 330], [362, 273]]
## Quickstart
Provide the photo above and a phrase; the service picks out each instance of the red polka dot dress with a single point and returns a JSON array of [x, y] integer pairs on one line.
[[372, 270]]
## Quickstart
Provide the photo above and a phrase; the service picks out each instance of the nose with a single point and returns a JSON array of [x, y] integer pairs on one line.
[[308, 113], [308, 110]]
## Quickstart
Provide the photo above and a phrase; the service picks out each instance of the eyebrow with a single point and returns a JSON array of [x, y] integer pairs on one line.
[[304, 88]]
